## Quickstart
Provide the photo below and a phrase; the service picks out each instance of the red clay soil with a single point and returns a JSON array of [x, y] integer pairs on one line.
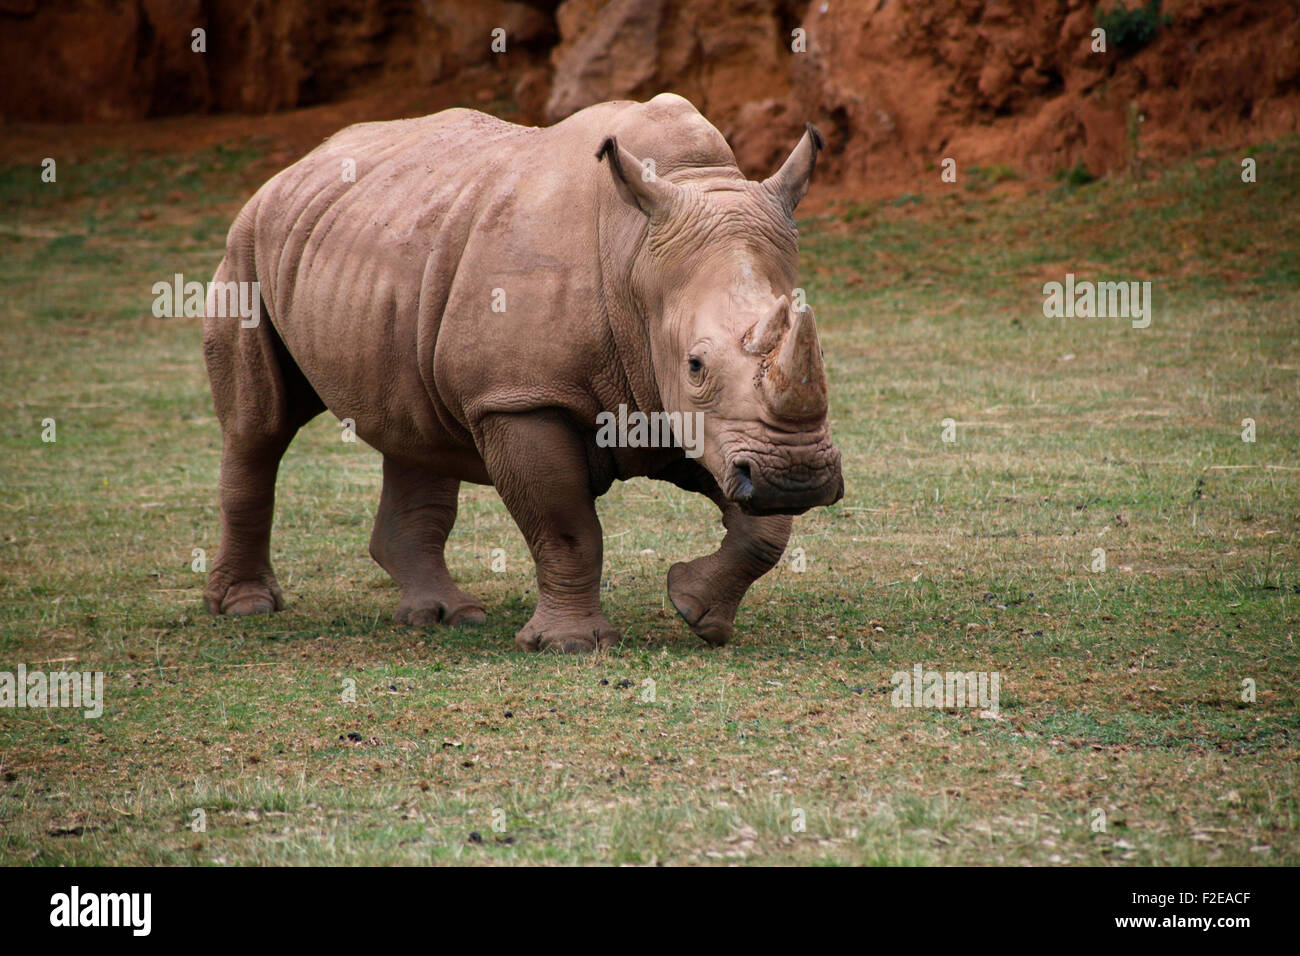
[[896, 86]]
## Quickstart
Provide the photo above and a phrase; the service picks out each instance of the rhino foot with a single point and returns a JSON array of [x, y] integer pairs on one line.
[[256, 596], [425, 611], [567, 635], [695, 596]]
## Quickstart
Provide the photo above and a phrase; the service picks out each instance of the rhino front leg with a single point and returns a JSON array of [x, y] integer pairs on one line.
[[539, 467], [707, 591], [416, 512]]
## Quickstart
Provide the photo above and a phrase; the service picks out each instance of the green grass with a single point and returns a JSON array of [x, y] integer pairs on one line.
[[1121, 690]]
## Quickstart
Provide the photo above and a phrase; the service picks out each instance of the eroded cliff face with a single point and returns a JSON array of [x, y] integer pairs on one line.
[[897, 83], [895, 86], [70, 60]]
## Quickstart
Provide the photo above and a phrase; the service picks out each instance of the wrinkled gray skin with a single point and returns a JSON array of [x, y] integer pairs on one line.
[[667, 291]]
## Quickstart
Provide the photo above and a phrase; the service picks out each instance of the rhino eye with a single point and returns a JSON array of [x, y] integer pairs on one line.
[[695, 365]]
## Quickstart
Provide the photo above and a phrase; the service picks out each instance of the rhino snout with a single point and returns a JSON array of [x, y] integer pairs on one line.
[[762, 488]]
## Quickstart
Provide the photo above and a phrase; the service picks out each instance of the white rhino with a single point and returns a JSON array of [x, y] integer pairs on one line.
[[474, 298]]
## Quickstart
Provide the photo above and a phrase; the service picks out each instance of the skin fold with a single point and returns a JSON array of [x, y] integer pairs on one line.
[[474, 297]]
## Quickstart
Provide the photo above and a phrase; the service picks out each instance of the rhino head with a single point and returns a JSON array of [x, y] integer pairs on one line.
[[714, 277]]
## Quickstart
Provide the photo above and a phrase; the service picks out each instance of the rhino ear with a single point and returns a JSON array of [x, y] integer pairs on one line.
[[790, 183], [636, 182]]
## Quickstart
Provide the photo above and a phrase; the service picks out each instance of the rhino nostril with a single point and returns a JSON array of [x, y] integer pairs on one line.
[[743, 480]]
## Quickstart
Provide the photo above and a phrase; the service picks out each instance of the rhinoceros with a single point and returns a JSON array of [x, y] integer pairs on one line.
[[474, 296]]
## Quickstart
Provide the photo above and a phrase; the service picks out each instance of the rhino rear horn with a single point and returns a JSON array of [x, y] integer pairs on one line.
[[767, 332], [790, 183], [636, 181], [795, 383]]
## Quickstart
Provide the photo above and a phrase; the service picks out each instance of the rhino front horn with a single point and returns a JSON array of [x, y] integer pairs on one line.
[[795, 383]]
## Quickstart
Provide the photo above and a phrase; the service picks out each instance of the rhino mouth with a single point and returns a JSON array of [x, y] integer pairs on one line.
[[744, 481], [758, 491]]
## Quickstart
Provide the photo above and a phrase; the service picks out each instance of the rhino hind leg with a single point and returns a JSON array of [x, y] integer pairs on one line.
[[261, 399], [416, 513], [551, 500]]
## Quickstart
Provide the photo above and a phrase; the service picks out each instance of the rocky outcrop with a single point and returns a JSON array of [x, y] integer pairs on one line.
[[895, 86], [1002, 82], [70, 60]]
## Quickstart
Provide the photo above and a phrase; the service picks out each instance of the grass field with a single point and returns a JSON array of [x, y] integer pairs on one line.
[[1122, 735]]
